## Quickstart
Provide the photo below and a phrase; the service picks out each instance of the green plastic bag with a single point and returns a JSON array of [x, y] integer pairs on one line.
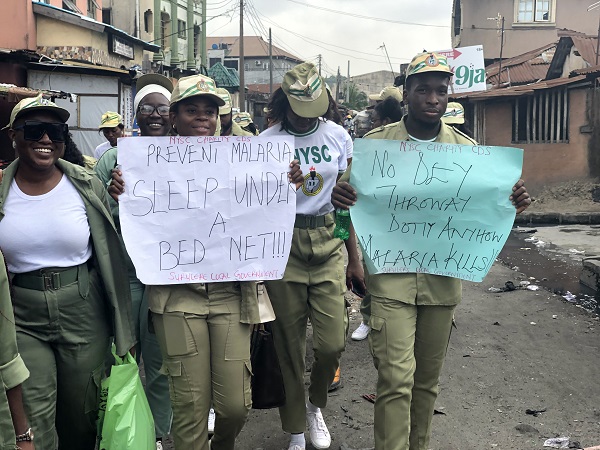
[[125, 419]]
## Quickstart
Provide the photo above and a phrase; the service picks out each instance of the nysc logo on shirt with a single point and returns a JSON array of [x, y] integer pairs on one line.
[[313, 183], [312, 155]]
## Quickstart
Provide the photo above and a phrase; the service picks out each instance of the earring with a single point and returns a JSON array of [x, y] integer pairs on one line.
[[14, 145]]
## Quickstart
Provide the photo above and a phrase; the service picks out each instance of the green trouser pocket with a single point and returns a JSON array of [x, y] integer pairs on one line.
[[377, 338], [180, 340], [92, 394]]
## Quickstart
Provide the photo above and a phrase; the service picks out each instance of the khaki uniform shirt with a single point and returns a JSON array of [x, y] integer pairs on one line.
[[416, 288], [236, 130]]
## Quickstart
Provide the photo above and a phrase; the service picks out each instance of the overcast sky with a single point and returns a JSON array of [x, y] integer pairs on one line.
[[340, 36]]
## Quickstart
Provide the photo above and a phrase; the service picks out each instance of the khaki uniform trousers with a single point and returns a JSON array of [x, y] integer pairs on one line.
[[313, 286], [207, 360], [408, 343], [64, 337]]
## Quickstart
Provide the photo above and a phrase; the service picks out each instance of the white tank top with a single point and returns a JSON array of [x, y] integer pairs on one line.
[[49, 230]]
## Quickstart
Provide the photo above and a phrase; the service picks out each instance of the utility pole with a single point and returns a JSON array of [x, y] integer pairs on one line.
[[270, 63], [590, 8], [337, 85], [348, 85], [203, 51], [500, 23], [501, 49], [319, 58], [388, 58], [242, 81]]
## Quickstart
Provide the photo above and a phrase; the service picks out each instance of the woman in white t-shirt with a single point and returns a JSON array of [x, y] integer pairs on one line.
[[66, 265], [313, 285]]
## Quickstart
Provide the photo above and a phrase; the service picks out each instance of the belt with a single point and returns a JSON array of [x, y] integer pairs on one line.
[[303, 221], [46, 279]]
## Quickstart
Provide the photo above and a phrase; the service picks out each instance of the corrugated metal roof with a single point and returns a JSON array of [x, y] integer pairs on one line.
[[254, 46], [587, 70], [586, 46], [527, 68], [262, 88], [517, 91]]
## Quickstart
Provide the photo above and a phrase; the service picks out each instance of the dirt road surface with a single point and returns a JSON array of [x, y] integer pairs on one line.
[[512, 351]]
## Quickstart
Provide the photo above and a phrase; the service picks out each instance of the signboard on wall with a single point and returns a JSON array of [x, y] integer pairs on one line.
[[121, 47], [469, 68]]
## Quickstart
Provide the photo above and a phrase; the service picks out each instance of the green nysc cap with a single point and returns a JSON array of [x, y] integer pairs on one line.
[[196, 85], [38, 103], [306, 91]]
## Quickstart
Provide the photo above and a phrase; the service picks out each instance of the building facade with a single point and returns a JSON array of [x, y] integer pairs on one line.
[[528, 24], [226, 50], [65, 47], [176, 26]]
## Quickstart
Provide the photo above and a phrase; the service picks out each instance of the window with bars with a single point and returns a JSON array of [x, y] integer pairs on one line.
[[92, 7], [148, 21], [196, 40], [542, 118], [70, 6], [165, 21], [181, 29], [531, 11]]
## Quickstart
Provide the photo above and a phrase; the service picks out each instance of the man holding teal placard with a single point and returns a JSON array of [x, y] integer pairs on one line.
[[411, 313]]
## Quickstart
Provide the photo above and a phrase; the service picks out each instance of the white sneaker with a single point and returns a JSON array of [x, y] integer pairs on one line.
[[319, 434], [159, 445], [211, 421], [361, 332]]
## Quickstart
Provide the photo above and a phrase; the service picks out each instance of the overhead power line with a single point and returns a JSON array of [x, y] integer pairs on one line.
[[324, 45], [360, 16]]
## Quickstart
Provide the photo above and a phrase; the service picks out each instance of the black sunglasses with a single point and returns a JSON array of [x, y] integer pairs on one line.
[[146, 110], [34, 130]]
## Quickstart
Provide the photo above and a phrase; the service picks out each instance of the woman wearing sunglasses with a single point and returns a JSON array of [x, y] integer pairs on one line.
[[70, 285], [151, 104]]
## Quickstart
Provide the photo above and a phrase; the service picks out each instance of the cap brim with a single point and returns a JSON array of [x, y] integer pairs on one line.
[[218, 100], [375, 97], [432, 70], [62, 113], [224, 110], [154, 78], [310, 110], [110, 125]]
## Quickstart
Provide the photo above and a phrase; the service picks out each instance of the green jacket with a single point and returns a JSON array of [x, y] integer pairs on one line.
[[12, 368], [107, 251]]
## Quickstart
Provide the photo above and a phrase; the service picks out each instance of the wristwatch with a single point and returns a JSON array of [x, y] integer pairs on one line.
[[25, 437]]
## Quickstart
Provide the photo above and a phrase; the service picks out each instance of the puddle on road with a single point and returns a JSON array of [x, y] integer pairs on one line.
[[549, 270]]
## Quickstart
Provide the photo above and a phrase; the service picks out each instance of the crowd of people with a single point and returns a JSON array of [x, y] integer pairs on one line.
[[69, 290]]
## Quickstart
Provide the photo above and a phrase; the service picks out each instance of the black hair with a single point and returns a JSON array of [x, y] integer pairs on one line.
[[400, 80], [333, 112], [390, 109], [278, 105], [72, 153]]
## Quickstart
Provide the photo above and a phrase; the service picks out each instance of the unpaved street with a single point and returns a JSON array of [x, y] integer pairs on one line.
[[499, 364]]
